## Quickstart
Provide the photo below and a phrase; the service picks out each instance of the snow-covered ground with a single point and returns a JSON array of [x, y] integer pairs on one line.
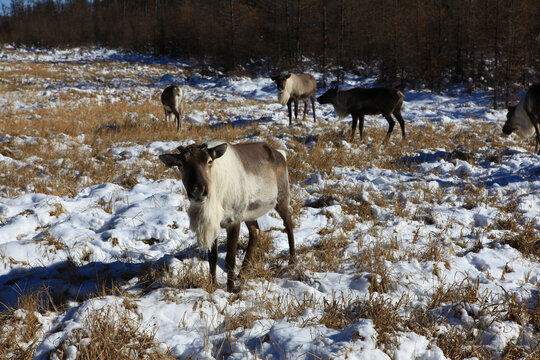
[[437, 219]]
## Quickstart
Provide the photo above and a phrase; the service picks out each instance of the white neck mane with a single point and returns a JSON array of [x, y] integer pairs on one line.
[[285, 94], [205, 218]]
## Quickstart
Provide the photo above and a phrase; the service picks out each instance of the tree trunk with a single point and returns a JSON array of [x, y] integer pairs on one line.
[[496, 53], [298, 22], [340, 41], [324, 41], [233, 36]]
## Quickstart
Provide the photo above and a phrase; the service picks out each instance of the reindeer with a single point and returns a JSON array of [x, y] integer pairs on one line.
[[230, 184], [524, 118], [364, 101], [173, 102], [293, 88]]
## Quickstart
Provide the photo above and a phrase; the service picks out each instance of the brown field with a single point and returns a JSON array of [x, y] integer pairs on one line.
[[73, 132]]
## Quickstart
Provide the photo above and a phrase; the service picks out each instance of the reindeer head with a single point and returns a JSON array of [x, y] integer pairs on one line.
[[280, 80], [194, 164], [283, 88], [509, 125], [329, 96]]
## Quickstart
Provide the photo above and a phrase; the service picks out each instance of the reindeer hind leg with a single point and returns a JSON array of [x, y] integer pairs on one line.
[[391, 124], [282, 209], [397, 114], [254, 231], [313, 107], [305, 109], [177, 119]]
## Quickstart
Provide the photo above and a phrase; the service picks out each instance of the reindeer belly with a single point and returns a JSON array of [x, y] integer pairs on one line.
[[246, 212], [258, 208], [367, 110]]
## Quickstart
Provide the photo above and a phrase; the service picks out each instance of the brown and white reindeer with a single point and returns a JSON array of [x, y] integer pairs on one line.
[[229, 184], [367, 101], [292, 88], [173, 102], [524, 118]]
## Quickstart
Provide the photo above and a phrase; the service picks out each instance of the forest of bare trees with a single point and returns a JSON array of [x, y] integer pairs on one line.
[[485, 43]]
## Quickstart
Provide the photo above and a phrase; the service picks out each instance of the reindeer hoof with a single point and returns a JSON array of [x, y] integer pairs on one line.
[[232, 289], [293, 260], [244, 275]]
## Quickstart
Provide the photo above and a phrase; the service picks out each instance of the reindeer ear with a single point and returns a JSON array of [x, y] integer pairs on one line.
[[287, 76], [171, 159], [274, 78], [217, 151]]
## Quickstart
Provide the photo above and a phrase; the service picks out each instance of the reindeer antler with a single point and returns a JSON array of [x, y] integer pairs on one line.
[[189, 149]]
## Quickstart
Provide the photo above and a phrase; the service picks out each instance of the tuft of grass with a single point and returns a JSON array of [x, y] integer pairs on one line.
[[526, 240], [188, 276], [341, 311], [47, 239], [113, 334], [376, 260], [243, 319], [327, 255], [458, 343], [20, 326], [514, 351], [465, 291], [57, 210]]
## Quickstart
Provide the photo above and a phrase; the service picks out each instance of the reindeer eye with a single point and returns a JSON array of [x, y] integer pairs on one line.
[[210, 161]]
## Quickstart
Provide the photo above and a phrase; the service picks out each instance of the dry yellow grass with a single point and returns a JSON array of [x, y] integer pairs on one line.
[[98, 124], [20, 328], [113, 334]]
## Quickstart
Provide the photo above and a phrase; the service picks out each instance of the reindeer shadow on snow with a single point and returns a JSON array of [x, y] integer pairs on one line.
[[66, 281], [239, 121], [502, 176]]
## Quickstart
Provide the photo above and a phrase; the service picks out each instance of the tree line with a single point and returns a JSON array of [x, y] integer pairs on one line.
[[486, 43]]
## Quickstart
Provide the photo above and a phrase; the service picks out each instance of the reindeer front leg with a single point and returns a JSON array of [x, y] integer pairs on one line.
[[212, 261], [361, 125], [289, 106], [233, 233], [537, 141], [296, 110], [353, 130]]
